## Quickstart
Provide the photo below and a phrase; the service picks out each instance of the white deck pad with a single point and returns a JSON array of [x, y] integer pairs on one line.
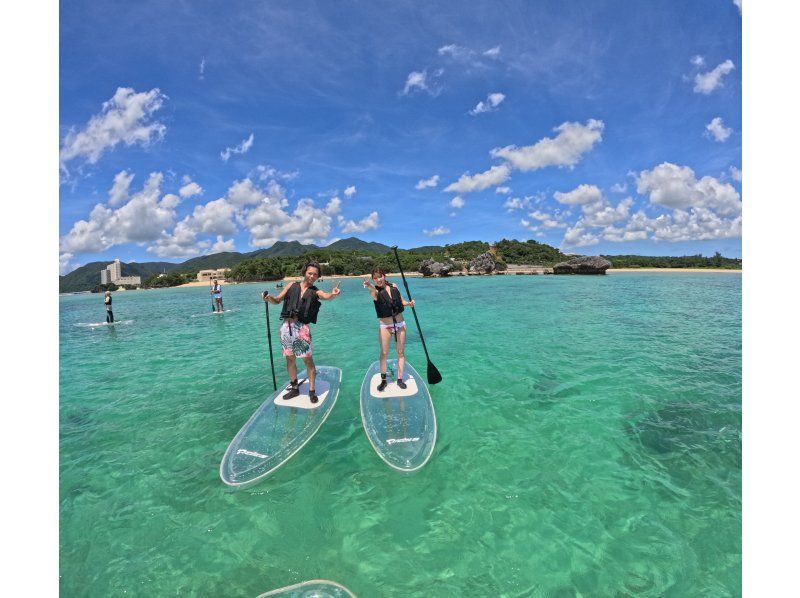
[[392, 389], [303, 401]]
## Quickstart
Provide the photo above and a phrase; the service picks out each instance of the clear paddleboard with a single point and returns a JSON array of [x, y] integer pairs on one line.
[[316, 588], [399, 423], [213, 313], [101, 324], [278, 429]]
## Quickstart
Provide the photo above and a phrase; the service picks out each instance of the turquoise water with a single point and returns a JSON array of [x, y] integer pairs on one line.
[[589, 444]]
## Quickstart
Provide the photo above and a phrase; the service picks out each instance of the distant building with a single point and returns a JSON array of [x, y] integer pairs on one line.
[[209, 275], [113, 274]]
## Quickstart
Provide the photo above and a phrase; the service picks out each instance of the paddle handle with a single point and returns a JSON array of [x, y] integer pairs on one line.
[[413, 311]]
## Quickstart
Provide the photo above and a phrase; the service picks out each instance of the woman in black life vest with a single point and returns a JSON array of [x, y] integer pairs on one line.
[[300, 307], [389, 304]]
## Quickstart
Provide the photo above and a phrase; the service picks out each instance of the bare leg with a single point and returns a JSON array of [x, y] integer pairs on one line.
[[311, 370], [400, 346], [291, 367], [383, 340]]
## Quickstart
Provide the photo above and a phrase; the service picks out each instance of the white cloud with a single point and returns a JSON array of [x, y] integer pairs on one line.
[[454, 50], [466, 183], [420, 80], [582, 194], [603, 214], [243, 147], [439, 230], [676, 187], [64, 266], [492, 52], [365, 224], [264, 172], [425, 183], [457, 202], [738, 4], [619, 187], [579, 237], [142, 219], [491, 103], [190, 189], [244, 193], [718, 130], [515, 203], [125, 118], [334, 206], [697, 60], [547, 220], [503, 190], [696, 224], [736, 174], [222, 245], [350, 191], [202, 67], [118, 194], [215, 217], [268, 222], [566, 149], [705, 83]]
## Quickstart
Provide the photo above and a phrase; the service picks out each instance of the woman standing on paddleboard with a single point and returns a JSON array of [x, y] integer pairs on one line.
[[389, 304], [109, 313], [300, 308]]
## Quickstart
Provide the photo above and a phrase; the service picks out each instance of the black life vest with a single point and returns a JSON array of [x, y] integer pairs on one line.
[[388, 306], [304, 308]]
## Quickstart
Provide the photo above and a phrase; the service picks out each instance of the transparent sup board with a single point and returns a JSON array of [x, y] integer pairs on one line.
[[399, 423], [316, 588], [101, 324], [278, 429]]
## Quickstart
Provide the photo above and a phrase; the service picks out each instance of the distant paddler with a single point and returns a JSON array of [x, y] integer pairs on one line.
[[389, 304], [216, 293], [109, 312], [301, 303]]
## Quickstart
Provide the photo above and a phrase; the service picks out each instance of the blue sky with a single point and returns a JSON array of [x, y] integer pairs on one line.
[[188, 128]]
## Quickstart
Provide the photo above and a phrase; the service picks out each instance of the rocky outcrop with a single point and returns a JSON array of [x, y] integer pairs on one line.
[[485, 264], [433, 268], [589, 264]]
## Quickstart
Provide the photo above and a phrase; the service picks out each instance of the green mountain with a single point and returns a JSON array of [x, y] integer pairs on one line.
[[87, 276], [282, 249], [354, 244], [226, 259]]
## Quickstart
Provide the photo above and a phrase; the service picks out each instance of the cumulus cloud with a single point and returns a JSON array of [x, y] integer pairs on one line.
[[736, 174], [457, 202], [64, 263], [334, 206], [491, 103], [125, 118], [565, 149], [365, 224], [503, 190], [243, 147], [582, 194], [677, 187], [265, 172], [619, 187], [190, 189], [547, 220], [222, 245], [350, 191], [142, 219], [515, 203], [426, 183], [439, 230], [697, 60], [118, 194], [468, 183], [705, 83], [717, 130], [578, 236]]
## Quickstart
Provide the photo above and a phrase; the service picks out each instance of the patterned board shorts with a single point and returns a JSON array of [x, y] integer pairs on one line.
[[296, 339]]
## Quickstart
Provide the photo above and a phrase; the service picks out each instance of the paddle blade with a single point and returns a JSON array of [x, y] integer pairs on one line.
[[434, 377]]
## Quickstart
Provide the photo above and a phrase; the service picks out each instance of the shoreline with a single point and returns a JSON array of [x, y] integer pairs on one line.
[[297, 278]]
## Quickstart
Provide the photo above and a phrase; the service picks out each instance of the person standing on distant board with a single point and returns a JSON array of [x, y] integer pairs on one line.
[[300, 308], [389, 304], [216, 292], [109, 313]]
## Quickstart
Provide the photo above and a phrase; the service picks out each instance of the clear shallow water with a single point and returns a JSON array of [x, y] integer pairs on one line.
[[589, 444]]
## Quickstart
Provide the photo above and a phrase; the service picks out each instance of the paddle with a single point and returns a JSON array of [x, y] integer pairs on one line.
[[434, 377], [269, 340], [213, 306]]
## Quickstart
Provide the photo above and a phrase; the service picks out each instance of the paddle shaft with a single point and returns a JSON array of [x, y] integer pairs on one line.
[[413, 311], [269, 342]]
